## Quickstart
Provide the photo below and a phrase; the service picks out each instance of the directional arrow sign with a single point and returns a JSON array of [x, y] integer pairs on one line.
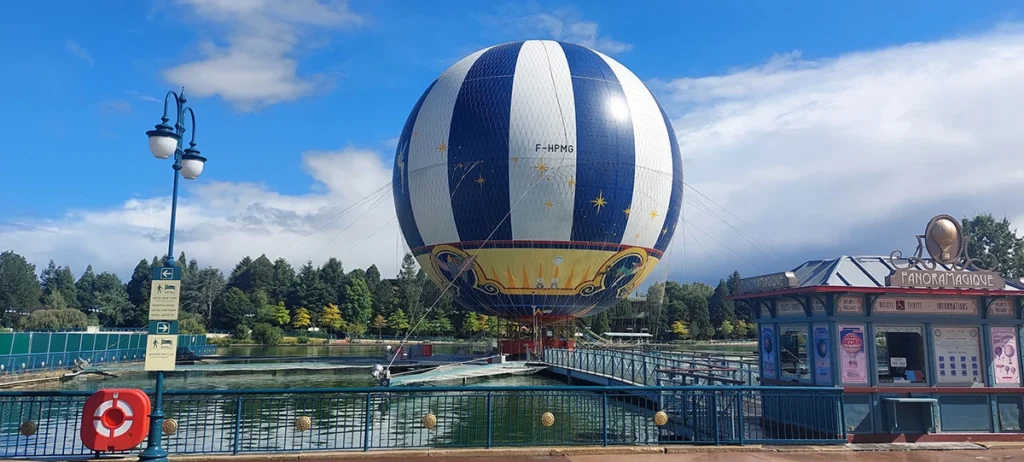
[[163, 327], [163, 273]]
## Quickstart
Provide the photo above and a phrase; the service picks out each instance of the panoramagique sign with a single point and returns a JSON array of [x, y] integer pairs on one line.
[[945, 279], [768, 282]]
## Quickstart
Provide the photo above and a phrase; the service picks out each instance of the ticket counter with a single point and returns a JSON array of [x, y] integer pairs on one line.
[[915, 363]]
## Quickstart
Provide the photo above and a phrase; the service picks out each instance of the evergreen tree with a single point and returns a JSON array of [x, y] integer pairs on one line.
[[182, 264], [55, 301], [19, 287], [408, 289], [240, 276], [200, 291], [284, 277], [440, 325], [398, 322], [695, 299], [470, 324], [60, 279], [138, 294], [358, 304], [720, 309], [140, 283], [372, 276], [332, 276], [310, 291], [251, 276], [280, 315], [84, 289], [115, 308], [232, 306], [601, 323]]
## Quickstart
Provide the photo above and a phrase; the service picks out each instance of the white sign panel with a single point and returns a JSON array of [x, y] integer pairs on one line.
[[161, 351], [819, 306], [1001, 307], [789, 308], [958, 351], [850, 305], [164, 298], [901, 305]]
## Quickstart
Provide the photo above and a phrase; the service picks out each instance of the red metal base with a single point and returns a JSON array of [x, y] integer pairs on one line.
[[520, 347]]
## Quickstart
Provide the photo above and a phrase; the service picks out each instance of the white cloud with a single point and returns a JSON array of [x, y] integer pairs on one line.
[[258, 66], [852, 154], [115, 107], [77, 50], [219, 223], [849, 155], [563, 24]]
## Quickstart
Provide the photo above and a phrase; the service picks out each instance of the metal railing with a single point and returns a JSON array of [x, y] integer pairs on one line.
[[654, 368], [248, 421]]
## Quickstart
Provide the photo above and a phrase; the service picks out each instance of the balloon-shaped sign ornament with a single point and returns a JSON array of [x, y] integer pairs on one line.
[[538, 178]]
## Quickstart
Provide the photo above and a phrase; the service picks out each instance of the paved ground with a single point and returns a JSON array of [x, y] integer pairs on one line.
[[862, 454]]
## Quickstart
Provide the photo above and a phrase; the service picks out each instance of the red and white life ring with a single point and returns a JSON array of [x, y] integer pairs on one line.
[[115, 419]]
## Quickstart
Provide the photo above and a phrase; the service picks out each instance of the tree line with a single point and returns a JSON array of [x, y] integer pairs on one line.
[[262, 298]]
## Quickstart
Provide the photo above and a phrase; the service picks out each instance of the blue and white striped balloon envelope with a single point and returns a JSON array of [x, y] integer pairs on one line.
[[538, 178]]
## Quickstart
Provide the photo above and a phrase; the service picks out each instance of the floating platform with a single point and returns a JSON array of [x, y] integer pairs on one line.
[[464, 372]]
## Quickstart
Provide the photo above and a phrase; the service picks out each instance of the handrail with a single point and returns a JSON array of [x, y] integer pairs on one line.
[[447, 389]]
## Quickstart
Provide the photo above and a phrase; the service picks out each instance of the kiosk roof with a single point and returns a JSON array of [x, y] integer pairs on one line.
[[865, 274]]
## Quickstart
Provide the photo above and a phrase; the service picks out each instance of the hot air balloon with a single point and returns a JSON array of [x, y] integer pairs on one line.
[[538, 179]]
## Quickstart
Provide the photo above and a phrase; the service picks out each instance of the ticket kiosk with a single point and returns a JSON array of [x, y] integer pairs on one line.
[[925, 348]]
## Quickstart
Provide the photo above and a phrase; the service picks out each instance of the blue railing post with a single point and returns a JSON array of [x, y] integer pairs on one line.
[[369, 421], [714, 416], [842, 414], [739, 414], [490, 421], [238, 426], [604, 419]]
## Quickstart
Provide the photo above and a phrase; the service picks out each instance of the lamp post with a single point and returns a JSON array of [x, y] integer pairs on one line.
[[165, 141]]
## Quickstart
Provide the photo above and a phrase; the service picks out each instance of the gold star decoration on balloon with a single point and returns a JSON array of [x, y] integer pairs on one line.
[[599, 201]]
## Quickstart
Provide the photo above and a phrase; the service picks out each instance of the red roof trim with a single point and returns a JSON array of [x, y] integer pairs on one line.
[[880, 290]]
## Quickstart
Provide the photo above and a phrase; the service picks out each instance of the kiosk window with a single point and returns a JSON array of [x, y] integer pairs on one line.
[[793, 352], [900, 357]]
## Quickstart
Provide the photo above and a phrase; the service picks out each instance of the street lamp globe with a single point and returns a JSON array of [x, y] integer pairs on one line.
[[192, 164], [163, 141]]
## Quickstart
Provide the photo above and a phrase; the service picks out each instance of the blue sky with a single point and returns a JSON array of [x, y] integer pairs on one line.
[[84, 79]]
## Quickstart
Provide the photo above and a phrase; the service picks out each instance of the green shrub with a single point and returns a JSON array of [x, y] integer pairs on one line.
[[266, 334]]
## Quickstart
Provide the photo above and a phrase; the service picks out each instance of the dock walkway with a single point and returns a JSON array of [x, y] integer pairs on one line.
[[464, 372]]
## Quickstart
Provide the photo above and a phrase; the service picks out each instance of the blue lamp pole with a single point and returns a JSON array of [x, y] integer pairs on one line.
[[165, 141]]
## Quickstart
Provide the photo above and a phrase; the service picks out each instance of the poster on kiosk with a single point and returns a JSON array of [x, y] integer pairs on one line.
[[1005, 360]]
